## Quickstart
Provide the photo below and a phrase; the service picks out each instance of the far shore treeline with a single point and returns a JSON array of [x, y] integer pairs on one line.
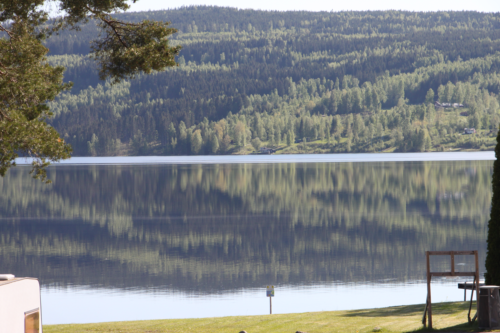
[[294, 81]]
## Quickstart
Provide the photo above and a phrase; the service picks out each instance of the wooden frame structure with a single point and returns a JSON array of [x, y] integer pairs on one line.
[[452, 254]]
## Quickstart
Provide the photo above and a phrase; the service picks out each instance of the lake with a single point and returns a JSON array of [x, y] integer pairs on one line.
[[130, 238]]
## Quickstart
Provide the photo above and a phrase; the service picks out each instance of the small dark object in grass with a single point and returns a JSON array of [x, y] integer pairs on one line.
[[377, 329], [300, 332], [243, 332]]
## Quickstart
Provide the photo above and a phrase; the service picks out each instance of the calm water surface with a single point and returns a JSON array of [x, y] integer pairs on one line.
[[148, 238]]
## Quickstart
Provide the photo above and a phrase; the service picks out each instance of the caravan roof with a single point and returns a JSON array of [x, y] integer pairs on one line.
[[4, 282]]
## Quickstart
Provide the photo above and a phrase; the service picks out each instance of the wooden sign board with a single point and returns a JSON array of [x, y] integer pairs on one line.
[[475, 283]]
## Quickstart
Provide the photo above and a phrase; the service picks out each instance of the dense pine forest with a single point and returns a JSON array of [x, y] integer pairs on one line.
[[296, 82]]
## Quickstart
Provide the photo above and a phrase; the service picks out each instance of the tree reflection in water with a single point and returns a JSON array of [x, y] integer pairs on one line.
[[214, 228]]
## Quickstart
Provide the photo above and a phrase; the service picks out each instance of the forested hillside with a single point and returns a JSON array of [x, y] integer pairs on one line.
[[294, 81]]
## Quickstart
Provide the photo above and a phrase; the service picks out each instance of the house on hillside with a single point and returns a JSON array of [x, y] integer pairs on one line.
[[471, 130], [20, 308], [448, 105]]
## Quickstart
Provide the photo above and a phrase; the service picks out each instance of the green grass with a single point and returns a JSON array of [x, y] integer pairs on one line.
[[447, 317]]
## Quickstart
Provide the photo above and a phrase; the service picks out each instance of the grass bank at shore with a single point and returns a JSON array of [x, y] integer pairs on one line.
[[447, 317]]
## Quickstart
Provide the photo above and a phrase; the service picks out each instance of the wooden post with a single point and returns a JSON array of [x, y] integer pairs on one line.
[[429, 300], [452, 256], [477, 282], [270, 305]]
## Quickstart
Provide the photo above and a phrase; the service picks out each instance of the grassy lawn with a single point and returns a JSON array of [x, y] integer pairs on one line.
[[447, 317]]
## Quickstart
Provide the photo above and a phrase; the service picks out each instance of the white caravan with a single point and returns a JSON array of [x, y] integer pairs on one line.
[[20, 307]]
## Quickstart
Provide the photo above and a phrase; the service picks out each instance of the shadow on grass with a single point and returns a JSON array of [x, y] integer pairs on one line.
[[396, 311], [449, 308], [413, 310], [466, 327]]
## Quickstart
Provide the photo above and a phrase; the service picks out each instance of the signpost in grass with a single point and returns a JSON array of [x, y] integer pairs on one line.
[[270, 294]]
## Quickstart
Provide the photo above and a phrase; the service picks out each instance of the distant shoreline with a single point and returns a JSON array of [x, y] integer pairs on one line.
[[272, 159]]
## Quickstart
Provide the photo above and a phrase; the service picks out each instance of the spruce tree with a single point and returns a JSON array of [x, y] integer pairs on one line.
[[492, 275]]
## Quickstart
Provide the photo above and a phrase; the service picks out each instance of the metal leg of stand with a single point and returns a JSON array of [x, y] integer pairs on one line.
[[424, 317], [470, 305]]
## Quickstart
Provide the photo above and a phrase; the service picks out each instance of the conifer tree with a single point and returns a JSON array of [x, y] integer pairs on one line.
[[492, 275]]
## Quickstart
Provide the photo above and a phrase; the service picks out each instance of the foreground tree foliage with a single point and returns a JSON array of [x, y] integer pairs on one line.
[[28, 82]]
